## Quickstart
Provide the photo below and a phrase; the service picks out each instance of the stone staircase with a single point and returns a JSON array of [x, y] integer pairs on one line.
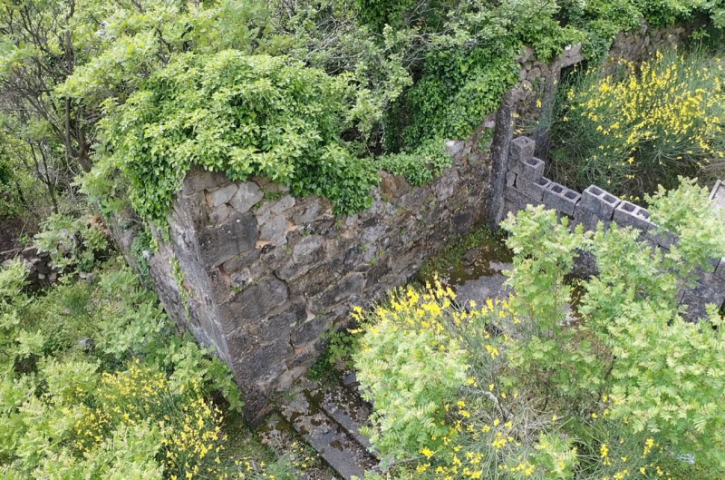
[[328, 417]]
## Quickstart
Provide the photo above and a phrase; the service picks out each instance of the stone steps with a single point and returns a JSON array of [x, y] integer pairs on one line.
[[328, 418]]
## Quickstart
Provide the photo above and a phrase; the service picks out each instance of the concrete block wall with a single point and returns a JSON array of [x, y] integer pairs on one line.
[[526, 185]]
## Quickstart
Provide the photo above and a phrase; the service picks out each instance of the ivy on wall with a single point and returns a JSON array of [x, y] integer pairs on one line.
[[242, 115]]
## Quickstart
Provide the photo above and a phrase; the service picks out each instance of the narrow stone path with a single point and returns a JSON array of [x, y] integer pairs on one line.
[[328, 417]]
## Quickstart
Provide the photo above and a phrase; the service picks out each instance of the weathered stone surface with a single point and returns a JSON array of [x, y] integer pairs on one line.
[[221, 243], [247, 196], [220, 214], [308, 213], [198, 180], [273, 228], [308, 253], [446, 185], [454, 147], [258, 299], [222, 195]]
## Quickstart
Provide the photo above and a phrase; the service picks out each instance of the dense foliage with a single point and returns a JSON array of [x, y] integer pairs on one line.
[[96, 383], [415, 71], [522, 388], [643, 125], [243, 115]]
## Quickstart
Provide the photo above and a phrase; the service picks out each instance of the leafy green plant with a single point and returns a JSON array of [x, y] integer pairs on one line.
[[421, 165], [72, 242], [243, 115]]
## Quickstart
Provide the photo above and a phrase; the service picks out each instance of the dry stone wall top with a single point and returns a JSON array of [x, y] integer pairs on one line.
[[261, 275]]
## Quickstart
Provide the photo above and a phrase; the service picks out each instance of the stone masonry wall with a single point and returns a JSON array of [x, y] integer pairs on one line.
[[526, 185], [261, 275]]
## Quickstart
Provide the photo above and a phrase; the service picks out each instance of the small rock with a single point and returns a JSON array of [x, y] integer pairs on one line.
[[86, 344], [350, 380], [247, 196], [223, 195]]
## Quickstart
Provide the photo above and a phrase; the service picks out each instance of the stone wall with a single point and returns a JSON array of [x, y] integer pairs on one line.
[[261, 275], [526, 185], [640, 44], [41, 272]]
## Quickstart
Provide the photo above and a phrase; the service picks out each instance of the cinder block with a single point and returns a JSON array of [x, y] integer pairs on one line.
[[532, 169], [599, 201], [519, 198], [521, 149], [510, 178], [630, 215], [559, 197], [586, 217], [534, 189]]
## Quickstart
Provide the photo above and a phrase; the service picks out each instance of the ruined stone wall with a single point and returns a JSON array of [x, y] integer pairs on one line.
[[526, 185], [41, 272], [261, 275]]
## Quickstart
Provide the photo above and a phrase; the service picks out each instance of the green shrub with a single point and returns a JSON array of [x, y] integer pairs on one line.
[[459, 88], [412, 372], [239, 114], [628, 389], [96, 384], [641, 126]]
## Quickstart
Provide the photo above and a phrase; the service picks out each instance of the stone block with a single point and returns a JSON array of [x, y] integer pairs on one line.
[[510, 178], [274, 228], [531, 169], [258, 299], [661, 237], [198, 180], [220, 213], [222, 195], [534, 189], [453, 147], [220, 243], [560, 198], [521, 149], [599, 202], [630, 215], [518, 198], [247, 196]]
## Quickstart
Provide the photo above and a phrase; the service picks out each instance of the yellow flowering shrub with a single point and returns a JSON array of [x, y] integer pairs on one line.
[[643, 125], [518, 388]]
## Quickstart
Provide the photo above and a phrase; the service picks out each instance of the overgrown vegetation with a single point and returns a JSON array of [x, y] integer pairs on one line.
[[643, 125], [380, 78], [518, 389], [96, 383]]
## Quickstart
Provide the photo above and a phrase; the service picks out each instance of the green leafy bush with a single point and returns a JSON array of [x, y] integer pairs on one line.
[[72, 242], [458, 89], [96, 384], [242, 115], [641, 126], [625, 389]]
